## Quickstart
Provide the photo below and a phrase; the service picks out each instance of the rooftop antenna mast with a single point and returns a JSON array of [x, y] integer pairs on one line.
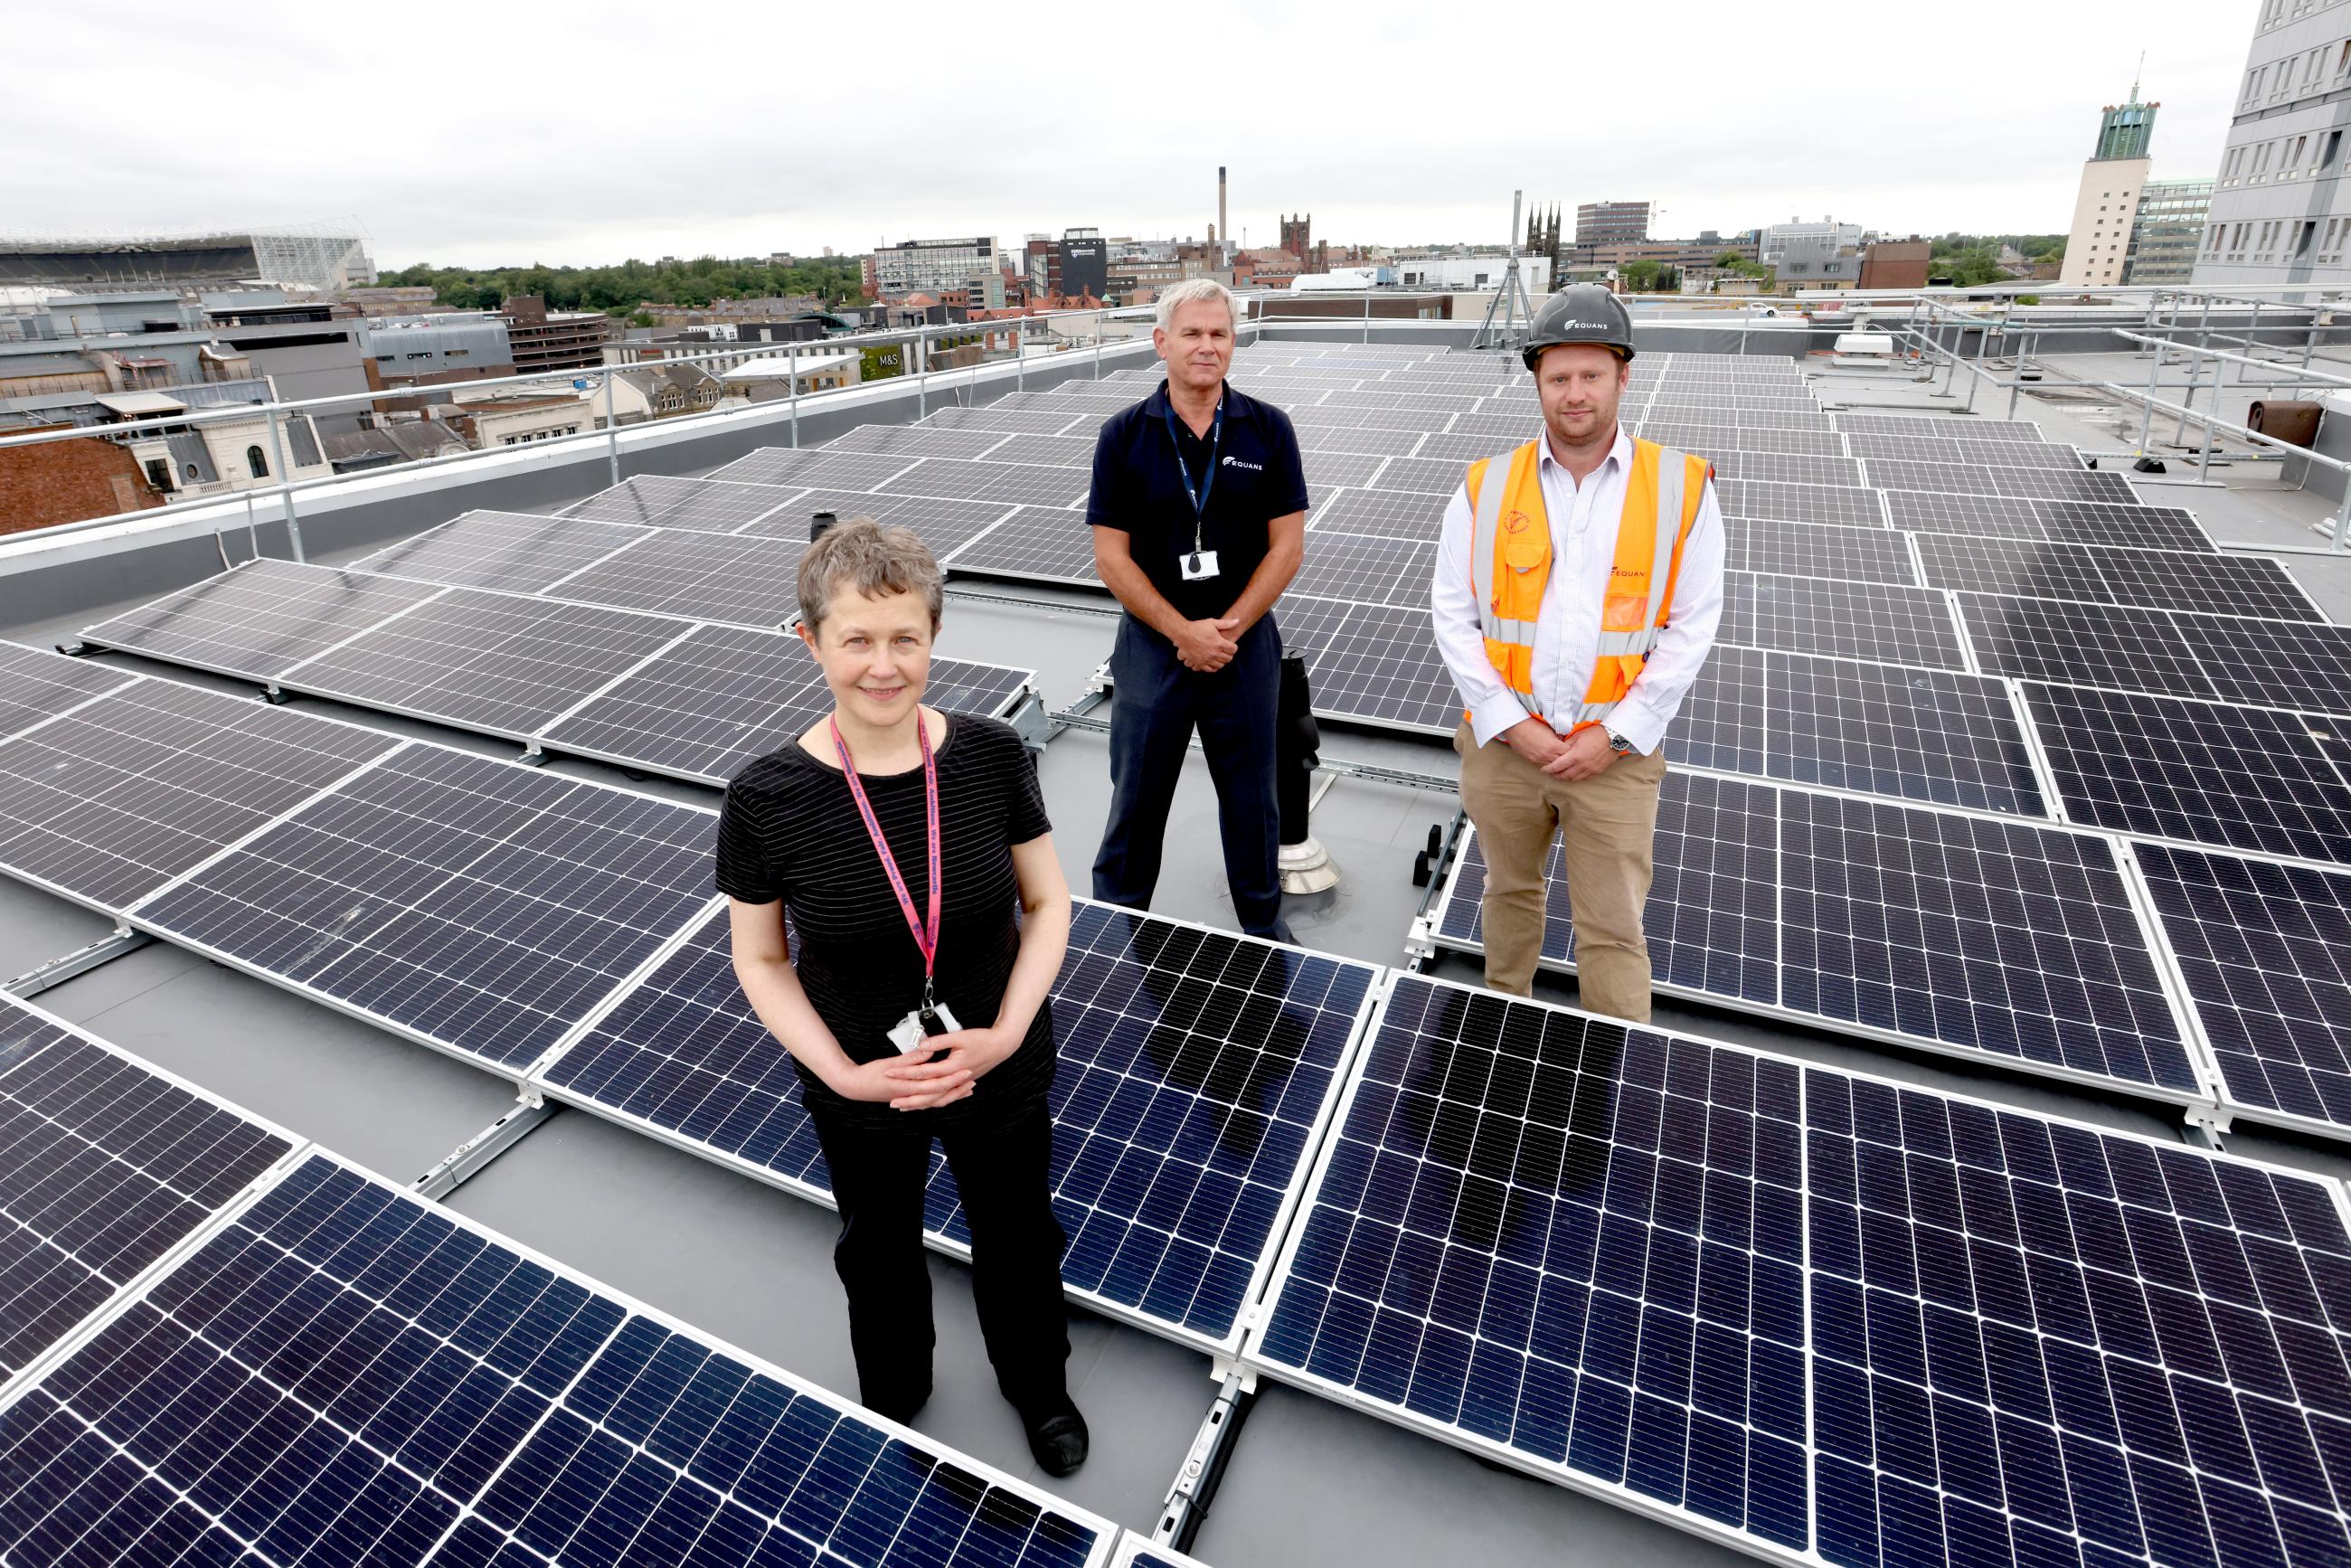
[[2138, 75], [1509, 299]]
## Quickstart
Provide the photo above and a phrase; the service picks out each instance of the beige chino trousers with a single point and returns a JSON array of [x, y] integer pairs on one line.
[[1607, 827]]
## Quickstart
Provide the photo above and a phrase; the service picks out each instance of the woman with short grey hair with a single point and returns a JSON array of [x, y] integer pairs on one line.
[[911, 851]]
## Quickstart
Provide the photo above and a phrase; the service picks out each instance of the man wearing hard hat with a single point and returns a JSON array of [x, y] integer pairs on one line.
[[1578, 584]]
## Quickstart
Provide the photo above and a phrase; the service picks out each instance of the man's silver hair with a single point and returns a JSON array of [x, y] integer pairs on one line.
[[1191, 291]]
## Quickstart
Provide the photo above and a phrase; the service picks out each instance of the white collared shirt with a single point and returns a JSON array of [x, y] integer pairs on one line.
[[1567, 629]]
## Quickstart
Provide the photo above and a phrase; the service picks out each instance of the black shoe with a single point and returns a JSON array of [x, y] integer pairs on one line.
[[1060, 1440]]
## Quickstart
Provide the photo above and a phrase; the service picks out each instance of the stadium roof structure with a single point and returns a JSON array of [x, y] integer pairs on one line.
[[1963, 977]]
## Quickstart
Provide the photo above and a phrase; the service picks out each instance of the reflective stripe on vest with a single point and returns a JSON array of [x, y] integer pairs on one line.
[[1510, 558]]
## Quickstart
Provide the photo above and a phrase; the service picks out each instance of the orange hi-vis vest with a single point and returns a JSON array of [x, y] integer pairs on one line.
[[1510, 558]]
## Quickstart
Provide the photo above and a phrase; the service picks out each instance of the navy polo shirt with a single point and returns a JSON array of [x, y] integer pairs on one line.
[[1138, 488]]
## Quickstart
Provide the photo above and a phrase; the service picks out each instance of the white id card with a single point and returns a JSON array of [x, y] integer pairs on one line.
[[910, 1032], [1199, 566]]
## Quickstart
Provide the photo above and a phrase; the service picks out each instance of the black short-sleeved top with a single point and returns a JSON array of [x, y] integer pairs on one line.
[[1138, 487], [790, 830]]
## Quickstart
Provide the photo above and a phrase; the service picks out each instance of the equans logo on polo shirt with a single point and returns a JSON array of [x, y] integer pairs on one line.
[[1232, 462]]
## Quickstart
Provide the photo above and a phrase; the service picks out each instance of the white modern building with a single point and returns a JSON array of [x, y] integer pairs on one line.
[[930, 265], [1825, 254], [2281, 209], [1455, 273]]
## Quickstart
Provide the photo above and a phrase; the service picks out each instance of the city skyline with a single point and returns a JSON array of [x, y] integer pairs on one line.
[[1757, 131]]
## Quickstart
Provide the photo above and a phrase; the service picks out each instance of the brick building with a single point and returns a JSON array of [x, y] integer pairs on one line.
[[67, 481]]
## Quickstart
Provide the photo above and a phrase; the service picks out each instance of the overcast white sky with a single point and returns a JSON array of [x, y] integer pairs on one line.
[[494, 135]]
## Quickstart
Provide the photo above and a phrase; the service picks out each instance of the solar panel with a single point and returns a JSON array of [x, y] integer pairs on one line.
[[1319, 438], [1876, 621], [516, 551], [1053, 451], [1141, 1552], [2001, 479], [1424, 475], [1026, 484], [114, 799], [1849, 506], [2164, 579], [1416, 401], [1367, 569], [1462, 448], [1392, 514], [933, 438], [2036, 1341], [747, 580], [2023, 518], [1715, 439], [724, 695], [1196, 1070], [1721, 722], [1040, 422], [1509, 1245], [1820, 1315], [816, 465], [1710, 922], [1922, 734], [2246, 778], [1818, 549], [1508, 430], [1040, 543], [501, 662], [2011, 429], [1328, 470], [1975, 935], [942, 522], [259, 618], [2289, 663], [1923, 449], [1781, 467], [477, 906], [705, 506], [2083, 644], [346, 1373], [2030, 568], [107, 1165], [36, 684], [1372, 663], [2265, 952]]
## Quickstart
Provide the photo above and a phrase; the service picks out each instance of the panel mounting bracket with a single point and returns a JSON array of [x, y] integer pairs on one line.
[[81, 961], [466, 1160], [1203, 1463]]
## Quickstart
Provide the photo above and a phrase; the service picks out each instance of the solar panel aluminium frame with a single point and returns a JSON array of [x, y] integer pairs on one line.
[[1138, 1547], [1617, 1493], [536, 1084], [1107, 1532], [269, 683], [137, 1286], [131, 917], [1426, 937]]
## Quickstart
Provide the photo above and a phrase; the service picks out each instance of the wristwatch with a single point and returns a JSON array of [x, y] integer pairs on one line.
[[1617, 743]]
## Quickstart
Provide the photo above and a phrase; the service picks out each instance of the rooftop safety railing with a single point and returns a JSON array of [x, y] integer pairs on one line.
[[1073, 332]]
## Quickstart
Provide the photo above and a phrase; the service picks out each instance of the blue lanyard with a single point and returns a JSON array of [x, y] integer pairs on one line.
[[1200, 496]]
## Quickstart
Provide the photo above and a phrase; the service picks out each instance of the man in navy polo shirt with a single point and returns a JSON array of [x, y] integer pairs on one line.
[[1199, 517]]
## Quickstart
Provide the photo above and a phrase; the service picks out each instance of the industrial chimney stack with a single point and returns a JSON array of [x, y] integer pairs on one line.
[[1224, 228]]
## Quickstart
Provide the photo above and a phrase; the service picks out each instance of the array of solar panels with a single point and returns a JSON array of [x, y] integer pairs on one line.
[[225, 1345], [1963, 618], [564, 932], [1805, 1310], [691, 698]]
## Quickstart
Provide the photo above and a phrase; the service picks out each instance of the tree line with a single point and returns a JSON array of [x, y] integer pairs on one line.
[[838, 280]]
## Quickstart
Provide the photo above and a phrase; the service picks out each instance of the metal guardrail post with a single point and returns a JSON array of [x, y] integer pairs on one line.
[[2147, 423], [612, 427], [2204, 458], [285, 485], [1101, 331], [792, 370], [922, 372]]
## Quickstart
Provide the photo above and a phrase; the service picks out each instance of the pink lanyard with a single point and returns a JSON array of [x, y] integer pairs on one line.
[[926, 938]]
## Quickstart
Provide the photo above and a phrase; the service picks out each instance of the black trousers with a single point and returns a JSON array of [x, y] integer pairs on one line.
[[1157, 704], [1005, 1176]]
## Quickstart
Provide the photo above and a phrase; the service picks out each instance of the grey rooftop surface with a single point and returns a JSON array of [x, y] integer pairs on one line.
[[1311, 1484]]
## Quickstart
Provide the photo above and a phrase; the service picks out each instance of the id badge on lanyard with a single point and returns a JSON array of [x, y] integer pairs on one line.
[[932, 1018], [1201, 564]]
